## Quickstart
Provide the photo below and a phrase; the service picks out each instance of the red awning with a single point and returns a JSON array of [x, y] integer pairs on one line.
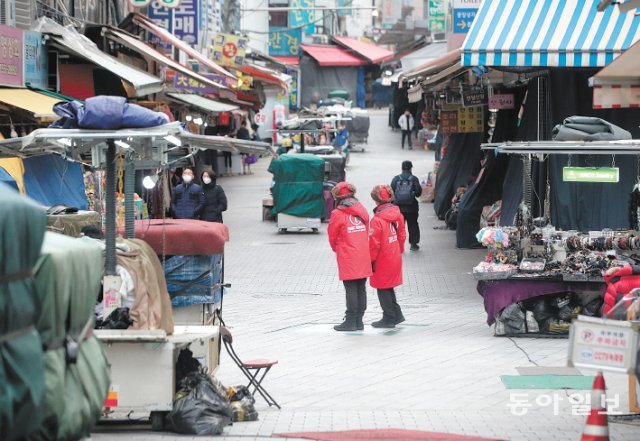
[[293, 61], [371, 52], [262, 74], [168, 37], [332, 56]]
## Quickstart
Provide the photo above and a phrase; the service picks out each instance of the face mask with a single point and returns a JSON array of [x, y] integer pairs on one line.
[[206, 181], [187, 179]]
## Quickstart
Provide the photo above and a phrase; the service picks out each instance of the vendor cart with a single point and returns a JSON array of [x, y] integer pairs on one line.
[[138, 356], [298, 191]]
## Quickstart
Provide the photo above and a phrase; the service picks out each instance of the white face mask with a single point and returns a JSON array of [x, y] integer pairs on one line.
[[206, 180], [187, 178]]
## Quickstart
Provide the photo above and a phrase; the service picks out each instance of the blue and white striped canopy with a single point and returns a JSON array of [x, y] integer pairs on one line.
[[561, 33]]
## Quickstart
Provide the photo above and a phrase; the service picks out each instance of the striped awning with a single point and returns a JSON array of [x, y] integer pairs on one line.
[[548, 33]]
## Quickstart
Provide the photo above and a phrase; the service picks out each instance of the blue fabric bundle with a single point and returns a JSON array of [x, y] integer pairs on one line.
[[191, 280]]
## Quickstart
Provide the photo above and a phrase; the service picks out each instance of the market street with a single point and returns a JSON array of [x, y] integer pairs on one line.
[[439, 371]]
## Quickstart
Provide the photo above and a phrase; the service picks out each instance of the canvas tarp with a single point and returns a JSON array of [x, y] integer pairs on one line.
[[6, 178], [15, 168], [22, 227], [68, 277], [297, 185], [322, 80], [52, 180]]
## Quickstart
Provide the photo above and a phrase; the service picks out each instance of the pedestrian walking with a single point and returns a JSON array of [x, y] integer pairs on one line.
[[215, 200], [349, 239], [406, 124], [407, 189], [387, 234], [187, 199]]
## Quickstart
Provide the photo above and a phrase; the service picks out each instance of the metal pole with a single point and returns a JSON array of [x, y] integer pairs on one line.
[[301, 142], [110, 225], [129, 187]]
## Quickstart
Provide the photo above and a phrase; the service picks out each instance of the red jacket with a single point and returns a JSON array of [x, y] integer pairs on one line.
[[349, 239], [386, 244]]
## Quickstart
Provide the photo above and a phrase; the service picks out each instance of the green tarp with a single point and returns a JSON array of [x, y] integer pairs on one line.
[[22, 226], [68, 277], [297, 185]]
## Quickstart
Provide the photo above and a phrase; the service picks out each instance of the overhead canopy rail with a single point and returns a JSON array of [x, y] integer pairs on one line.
[[548, 33], [69, 40], [201, 102], [626, 147]]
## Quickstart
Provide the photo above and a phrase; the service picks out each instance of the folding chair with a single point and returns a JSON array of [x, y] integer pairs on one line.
[[254, 370]]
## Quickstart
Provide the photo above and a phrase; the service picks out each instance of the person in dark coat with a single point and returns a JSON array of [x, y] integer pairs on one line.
[[187, 199], [406, 188], [215, 201]]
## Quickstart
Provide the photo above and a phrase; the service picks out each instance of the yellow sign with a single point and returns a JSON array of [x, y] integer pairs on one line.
[[470, 119], [229, 50]]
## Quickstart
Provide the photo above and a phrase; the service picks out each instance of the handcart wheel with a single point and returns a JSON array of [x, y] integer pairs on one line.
[[282, 230], [157, 419], [315, 230]]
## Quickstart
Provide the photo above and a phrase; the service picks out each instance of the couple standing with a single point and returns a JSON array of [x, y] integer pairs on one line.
[[366, 249]]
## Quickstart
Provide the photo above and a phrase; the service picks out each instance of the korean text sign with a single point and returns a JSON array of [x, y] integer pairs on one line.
[[11, 61]]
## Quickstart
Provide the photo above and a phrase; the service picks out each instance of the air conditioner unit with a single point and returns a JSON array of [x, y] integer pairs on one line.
[[320, 39], [8, 12]]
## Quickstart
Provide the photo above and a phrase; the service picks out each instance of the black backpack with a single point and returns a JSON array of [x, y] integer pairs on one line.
[[404, 194]]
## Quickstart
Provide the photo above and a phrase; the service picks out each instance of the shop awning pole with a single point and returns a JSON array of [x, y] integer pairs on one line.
[[110, 226], [129, 188]]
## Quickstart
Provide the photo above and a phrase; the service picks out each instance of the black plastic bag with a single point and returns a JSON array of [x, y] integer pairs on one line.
[[594, 307], [118, 319], [243, 404], [186, 365], [514, 319], [198, 409]]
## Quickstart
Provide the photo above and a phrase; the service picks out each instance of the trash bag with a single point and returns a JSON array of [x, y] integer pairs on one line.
[[198, 409], [565, 308], [543, 311], [118, 319], [514, 319], [186, 365], [243, 404], [593, 308]]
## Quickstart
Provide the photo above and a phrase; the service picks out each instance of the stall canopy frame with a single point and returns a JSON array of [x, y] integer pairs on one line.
[[626, 147]]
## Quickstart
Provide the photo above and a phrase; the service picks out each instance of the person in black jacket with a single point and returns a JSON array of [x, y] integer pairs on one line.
[[407, 188], [187, 198], [215, 201]]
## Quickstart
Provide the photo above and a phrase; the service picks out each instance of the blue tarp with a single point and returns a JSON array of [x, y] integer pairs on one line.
[[361, 92], [7, 179], [53, 180], [192, 280]]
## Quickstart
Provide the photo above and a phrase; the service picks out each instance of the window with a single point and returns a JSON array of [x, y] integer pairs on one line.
[[279, 18]]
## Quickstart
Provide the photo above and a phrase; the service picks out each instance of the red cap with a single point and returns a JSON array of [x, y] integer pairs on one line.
[[384, 193], [343, 189]]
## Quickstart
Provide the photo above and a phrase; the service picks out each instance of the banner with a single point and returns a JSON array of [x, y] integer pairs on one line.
[[293, 88], [229, 50], [11, 61], [303, 15], [162, 17], [470, 119], [183, 82]]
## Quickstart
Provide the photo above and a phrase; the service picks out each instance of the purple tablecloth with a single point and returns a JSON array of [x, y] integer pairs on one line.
[[498, 294]]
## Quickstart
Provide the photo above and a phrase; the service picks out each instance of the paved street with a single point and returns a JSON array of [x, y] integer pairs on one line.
[[438, 371]]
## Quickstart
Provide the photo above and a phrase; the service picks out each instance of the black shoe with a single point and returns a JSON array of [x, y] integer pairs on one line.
[[384, 323], [400, 320], [349, 324], [359, 324], [414, 247]]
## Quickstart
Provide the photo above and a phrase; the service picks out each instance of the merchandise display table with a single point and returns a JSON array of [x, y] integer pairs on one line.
[[498, 294]]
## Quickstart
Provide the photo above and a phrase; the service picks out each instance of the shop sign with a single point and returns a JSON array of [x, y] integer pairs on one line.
[[474, 98], [449, 122], [343, 4], [260, 119], [294, 87], [603, 344], [284, 42], [139, 3], [162, 17], [184, 82], [303, 15], [229, 50], [502, 101], [391, 13], [609, 175], [171, 3], [185, 22], [11, 64], [471, 119], [36, 61], [436, 16], [464, 12]]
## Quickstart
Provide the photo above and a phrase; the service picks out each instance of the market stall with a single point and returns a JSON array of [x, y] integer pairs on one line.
[[537, 277]]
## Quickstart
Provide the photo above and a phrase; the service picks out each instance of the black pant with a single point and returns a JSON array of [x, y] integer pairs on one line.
[[390, 309], [227, 159], [356, 291], [411, 219], [406, 134]]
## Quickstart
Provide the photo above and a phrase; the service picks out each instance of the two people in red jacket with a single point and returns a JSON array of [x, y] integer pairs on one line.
[[367, 250]]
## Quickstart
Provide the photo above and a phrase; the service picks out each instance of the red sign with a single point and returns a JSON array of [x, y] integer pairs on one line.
[[11, 63], [260, 119], [502, 101]]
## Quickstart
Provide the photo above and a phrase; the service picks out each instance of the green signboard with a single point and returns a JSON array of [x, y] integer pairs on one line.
[[436, 16], [591, 174]]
